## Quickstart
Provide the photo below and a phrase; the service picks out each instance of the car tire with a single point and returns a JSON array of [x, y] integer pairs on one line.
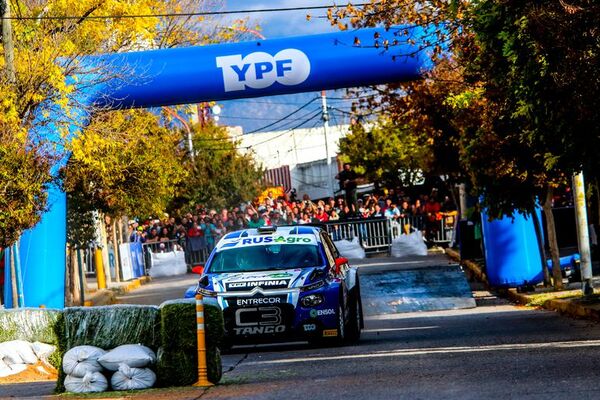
[[355, 322]]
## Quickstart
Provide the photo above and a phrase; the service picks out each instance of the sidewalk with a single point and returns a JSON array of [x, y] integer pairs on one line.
[[104, 297], [569, 301]]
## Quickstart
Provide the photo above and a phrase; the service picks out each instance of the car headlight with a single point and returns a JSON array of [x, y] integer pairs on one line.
[[313, 286], [205, 292], [311, 300]]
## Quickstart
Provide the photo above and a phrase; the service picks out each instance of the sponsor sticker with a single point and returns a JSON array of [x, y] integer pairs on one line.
[[319, 313], [259, 330], [330, 333], [260, 70], [265, 284], [257, 301], [309, 327]]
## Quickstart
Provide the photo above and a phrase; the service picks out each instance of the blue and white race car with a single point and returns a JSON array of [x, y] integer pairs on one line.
[[283, 283]]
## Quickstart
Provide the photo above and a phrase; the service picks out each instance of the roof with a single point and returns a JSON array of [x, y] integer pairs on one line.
[[233, 238]]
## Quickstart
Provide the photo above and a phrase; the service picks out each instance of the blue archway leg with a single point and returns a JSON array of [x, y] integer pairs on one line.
[[43, 255]]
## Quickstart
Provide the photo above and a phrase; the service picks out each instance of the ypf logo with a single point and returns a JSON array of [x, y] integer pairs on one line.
[[260, 70]]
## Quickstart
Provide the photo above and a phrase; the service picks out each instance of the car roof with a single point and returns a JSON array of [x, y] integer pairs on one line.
[[284, 231]]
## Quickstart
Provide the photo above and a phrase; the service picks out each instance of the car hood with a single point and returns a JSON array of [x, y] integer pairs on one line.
[[265, 280]]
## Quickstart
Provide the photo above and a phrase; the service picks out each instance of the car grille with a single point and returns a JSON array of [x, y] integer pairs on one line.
[[259, 320]]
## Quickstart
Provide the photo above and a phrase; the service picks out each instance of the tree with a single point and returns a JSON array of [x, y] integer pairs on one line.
[[530, 118], [126, 163], [221, 175], [38, 105], [385, 153]]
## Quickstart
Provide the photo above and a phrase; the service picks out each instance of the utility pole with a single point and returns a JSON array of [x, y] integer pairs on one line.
[[7, 41], [583, 235], [325, 117]]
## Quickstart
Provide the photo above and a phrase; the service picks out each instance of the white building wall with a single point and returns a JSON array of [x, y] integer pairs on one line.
[[303, 150]]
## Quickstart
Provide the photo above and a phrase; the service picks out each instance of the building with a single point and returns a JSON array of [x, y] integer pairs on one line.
[[303, 152]]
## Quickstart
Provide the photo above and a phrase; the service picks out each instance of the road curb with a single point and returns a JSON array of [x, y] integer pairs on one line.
[[104, 297], [473, 267], [570, 306]]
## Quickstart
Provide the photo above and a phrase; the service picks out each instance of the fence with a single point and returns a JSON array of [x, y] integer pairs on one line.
[[376, 235], [196, 252]]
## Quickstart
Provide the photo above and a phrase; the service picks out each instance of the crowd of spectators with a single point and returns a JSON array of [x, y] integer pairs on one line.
[[203, 228]]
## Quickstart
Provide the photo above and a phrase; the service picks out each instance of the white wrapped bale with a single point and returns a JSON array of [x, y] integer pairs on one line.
[[9, 355], [13, 370], [43, 350], [91, 382], [127, 378], [409, 245], [81, 360], [350, 249], [132, 355], [24, 350]]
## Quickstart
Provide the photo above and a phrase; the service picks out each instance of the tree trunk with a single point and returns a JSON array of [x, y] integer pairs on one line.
[[539, 234], [552, 242], [116, 251], [13, 278], [82, 277], [597, 221], [75, 279], [69, 278]]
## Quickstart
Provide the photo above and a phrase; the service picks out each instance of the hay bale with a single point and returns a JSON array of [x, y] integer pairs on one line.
[[30, 324], [106, 327], [177, 358]]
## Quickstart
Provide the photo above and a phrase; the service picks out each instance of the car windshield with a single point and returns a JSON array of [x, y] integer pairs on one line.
[[265, 258]]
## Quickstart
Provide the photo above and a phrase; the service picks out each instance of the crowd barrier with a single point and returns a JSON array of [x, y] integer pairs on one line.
[[376, 235]]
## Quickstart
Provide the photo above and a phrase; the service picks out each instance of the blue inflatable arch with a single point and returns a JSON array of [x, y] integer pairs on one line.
[[218, 72]]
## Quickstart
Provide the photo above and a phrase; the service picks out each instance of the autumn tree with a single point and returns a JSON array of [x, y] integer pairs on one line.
[[525, 137], [221, 175], [385, 153], [50, 38]]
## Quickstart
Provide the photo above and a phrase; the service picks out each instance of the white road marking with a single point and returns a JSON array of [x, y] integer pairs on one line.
[[439, 350]]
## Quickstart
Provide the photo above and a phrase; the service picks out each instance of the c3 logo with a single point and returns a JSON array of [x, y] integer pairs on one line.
[[260, 70], [268, 316]]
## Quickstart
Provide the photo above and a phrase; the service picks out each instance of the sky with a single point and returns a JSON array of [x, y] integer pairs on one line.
[[257, 114]]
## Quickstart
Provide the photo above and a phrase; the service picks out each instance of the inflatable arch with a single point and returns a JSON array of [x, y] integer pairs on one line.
[[219, 72]]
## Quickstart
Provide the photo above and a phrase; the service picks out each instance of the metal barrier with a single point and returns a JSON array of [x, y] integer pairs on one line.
[[376, 235], [195, 253], [373, 235]]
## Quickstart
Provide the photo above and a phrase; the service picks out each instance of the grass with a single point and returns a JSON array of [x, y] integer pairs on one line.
[[129, 393], [538, 300]]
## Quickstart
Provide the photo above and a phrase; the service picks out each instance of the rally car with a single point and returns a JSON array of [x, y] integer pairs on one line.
[[283, 283]]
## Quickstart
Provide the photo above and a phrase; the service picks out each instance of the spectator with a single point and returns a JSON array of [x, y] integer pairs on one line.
[[348, 184], [255, 222], [392, 212], [321, 215]]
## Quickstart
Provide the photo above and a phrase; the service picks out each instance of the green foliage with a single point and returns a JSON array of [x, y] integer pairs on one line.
[[24, 179], [30, 324], [178, 355], [385, 152], [110, 326], [123, 163], [221, 176], [105, 327]]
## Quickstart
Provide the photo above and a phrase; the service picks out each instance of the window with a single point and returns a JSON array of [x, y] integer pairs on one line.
[[265, 258]]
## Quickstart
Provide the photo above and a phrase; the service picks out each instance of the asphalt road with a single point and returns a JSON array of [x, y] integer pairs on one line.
[[493, 351]]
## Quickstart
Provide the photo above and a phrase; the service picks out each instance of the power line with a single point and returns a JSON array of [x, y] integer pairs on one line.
[[264, 141], [283, 118], [177, 15]]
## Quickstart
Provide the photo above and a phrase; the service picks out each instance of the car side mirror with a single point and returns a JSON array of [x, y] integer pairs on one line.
[[204, 281], [339, 262], [198, 269]]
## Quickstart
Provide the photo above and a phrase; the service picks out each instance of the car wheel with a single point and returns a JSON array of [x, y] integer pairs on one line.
[[355, 321]]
